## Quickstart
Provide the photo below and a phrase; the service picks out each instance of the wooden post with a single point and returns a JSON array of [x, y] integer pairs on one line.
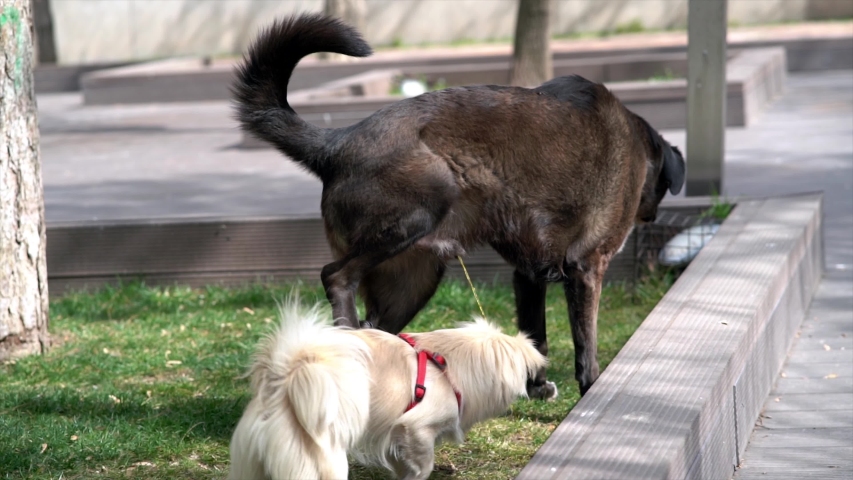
[[531, 53], [43, 20], [706, 96], [353, 13]]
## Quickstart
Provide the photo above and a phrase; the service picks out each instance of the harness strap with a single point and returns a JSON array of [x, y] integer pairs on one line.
[[420, 388], [420, 380]]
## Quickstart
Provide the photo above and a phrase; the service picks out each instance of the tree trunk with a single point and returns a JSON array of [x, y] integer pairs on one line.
[[353, 13], [531, 56], [23, 270], [43, 19]]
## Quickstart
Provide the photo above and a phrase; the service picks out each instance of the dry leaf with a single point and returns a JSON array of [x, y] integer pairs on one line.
[[248, 326], [164, 332], [248, 310], [183, 327], [106, 350], [831, 376], [115, 399], [74, 438], [43, 447], [143, 464], [172, 363], [148, 393]]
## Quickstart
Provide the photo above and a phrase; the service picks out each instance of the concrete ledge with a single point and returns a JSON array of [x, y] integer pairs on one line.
[[373, 83], [193, 80], [66, 78], [605, 68], [681, 398], [173, 80]]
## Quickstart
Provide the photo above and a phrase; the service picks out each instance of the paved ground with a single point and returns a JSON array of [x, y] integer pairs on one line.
[[158, 161], [179, 160], [806, 429], [805, 143]]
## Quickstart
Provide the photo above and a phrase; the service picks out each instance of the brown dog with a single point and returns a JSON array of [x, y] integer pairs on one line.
[[553, 178]]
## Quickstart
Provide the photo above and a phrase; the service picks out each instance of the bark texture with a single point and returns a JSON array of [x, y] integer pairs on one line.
[[531, 56], [23, 270], [353, 13]]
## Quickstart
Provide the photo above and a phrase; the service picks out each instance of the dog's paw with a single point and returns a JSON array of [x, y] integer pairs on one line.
[[547, 391]]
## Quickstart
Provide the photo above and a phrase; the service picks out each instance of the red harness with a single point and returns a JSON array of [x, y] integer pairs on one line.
[[423, 356]]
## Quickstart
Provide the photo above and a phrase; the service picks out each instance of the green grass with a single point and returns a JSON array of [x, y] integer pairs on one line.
[[664, 76], [146, 382], [634, 26], [720, 207]]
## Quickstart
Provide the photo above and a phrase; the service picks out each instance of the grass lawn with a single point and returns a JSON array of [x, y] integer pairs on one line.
[[145, 382]]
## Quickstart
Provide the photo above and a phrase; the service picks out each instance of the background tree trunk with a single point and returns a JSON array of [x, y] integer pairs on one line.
[[23, 271], [352, 12], [531, 56], [43, 20]]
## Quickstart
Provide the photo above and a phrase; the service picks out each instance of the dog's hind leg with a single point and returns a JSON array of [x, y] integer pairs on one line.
[[530, 310], [396, 290], [342, 277]]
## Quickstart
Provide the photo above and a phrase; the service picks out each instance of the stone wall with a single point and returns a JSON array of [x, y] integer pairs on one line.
[[89, 31]]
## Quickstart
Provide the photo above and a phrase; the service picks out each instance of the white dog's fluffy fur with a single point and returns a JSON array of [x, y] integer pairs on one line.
[[321, 392]]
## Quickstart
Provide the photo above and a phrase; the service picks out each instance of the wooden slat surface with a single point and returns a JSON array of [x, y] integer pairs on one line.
[[231, 252], [802, 437], [806, 427], [826, 463]]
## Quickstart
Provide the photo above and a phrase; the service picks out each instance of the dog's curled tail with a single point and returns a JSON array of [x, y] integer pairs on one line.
[[260, 88], [311, 382]]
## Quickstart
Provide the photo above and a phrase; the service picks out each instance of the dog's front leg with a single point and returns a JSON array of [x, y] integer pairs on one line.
[[583, 291], [415, 452], [530, 311]]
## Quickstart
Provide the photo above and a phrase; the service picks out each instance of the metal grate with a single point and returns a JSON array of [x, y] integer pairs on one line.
[[651, 238]]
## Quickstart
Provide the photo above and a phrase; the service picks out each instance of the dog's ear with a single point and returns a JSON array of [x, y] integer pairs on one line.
[[673, 169]]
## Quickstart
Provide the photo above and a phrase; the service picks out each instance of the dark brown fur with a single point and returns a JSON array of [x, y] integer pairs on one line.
[[553, 178]]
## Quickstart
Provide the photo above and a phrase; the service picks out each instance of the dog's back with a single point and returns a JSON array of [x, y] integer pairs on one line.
[[310, 403]]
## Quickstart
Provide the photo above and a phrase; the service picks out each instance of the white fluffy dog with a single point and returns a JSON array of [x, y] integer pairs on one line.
[[321, 392]]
